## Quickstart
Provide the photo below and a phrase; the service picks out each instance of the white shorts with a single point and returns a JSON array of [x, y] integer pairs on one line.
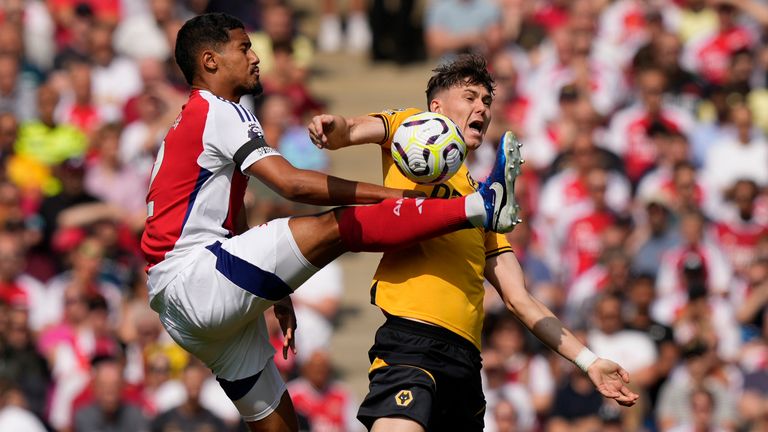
[[214, 305]]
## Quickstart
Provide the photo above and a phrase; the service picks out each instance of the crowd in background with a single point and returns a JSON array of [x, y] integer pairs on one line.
[[644, 191]]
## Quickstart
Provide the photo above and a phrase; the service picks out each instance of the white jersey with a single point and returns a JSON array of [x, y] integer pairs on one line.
[[197, 185]]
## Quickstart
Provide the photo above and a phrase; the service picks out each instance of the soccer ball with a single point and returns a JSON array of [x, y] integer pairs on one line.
[[428, 148]]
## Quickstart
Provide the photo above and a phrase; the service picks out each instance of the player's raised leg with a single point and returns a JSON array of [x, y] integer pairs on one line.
[[397, 223]]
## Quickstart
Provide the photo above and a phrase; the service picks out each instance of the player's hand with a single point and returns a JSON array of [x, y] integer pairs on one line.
[[318, 127], [322, 126], [287, 319], [610, 379]]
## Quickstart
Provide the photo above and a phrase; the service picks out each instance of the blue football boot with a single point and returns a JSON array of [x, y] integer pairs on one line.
[[498, 190]]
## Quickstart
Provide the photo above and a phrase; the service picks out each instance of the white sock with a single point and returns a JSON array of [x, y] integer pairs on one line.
[[474, 206]]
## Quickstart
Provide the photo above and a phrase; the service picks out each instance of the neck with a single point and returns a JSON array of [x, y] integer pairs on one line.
[[213, 88]]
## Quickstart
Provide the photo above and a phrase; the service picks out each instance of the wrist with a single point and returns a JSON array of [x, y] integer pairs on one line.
[[584, 359]]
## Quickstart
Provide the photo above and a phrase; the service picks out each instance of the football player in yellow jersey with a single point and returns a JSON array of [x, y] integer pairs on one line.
[[425, 361]]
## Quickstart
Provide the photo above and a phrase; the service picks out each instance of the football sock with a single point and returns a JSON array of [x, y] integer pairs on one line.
[[396, 223], [474, 207]]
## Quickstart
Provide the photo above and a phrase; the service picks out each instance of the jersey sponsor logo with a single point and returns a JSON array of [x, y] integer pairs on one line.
[[404, 398]]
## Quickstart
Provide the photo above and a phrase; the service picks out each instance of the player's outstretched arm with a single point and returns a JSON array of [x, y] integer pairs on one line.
[[334, 132], [504, 273], [312, 187]]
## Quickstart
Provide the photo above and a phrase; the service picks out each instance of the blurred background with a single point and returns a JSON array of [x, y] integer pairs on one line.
[[644, 192]]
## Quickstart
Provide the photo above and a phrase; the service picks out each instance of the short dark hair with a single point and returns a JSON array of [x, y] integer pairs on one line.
[[465, 69], [204, 31]]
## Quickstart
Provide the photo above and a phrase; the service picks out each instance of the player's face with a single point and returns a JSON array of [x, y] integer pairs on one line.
[[239, 64], [469, 106]]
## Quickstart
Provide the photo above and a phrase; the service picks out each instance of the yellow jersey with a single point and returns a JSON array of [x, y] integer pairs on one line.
[[439, 281]]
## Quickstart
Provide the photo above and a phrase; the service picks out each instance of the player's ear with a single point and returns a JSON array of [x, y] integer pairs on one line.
[[209, 60], [435, 106]]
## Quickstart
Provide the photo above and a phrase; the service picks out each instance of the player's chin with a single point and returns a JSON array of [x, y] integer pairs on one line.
[[473, 142], [255, 88]]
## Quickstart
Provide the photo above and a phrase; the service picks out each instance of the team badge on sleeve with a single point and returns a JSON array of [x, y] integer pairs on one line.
[[404, 398]]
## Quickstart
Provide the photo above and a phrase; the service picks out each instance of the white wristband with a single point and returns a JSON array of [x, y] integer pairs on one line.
[[585, 359]]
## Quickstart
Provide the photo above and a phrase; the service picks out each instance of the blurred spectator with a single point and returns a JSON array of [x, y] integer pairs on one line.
[[751, 310], [611, 339], [109, 411], [114, 182], [637, 316], [497, 389], [708, 55], [702, 413], [21, 364], [684, 89], [581, 245], [316, 306], [687, 192], [522, 366], [148, 27], [673, 149], [72, 207], [456, 26], [17, 288], [66, 12], [696, 263], [283, 131], [608, 277], [73, 27], [33, 44], [655, 237], [77, 107], [567, 190], [190, 415], [708, 318], [141, 139], [278, 30], [45, 139], [115, 78], [288, 79], [742, 157], [330, 37], [696, 372], [512, 103], [739, 226], [625, 25], [12, 43], [322, 400], [17, 92], [628, 135], [61, 345], [504, 418], [85, 260], [577, 405], [754, 399], [13, 415]]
